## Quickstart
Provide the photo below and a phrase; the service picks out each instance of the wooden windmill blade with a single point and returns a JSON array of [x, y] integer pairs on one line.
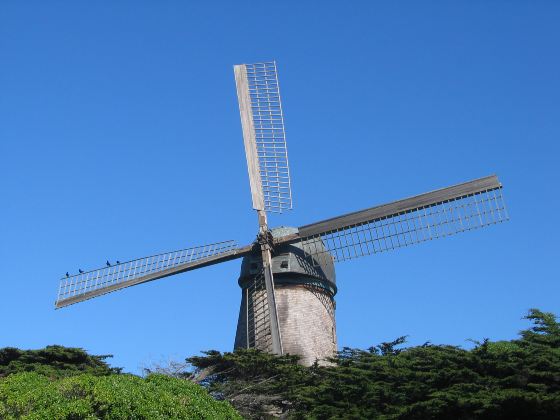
[[94, 283], [427, 216], [262, 121]]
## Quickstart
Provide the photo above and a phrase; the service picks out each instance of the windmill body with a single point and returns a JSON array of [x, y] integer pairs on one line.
[[304, 301], [287, 276]]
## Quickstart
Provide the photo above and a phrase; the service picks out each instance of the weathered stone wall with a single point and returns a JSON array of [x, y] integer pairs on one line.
[[307, 322]]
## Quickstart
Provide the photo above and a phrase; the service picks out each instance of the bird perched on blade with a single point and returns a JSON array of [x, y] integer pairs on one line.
[[67, 275], [118, 262], [81, 271], [108, 263]]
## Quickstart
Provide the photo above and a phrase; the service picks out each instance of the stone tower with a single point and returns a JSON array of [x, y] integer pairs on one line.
[[304, 300]]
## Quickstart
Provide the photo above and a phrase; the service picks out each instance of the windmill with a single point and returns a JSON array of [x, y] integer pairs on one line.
[[287, 275]]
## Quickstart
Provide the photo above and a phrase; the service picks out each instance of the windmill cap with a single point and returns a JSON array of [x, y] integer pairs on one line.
[[280, 231], [291, 265]]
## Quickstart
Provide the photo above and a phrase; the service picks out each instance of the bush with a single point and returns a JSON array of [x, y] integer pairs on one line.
[[30, 395]]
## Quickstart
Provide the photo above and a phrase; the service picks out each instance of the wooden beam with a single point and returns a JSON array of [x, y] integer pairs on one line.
[[249, 140], [214, 259], [392, 209]]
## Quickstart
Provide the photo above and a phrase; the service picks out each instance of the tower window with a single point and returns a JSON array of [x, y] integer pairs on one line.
[[284, 264]]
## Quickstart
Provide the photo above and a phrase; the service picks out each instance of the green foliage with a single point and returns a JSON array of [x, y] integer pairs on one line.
[[518, 379], [31, 395], [53, 361], [256, 383], [67, 383], [545, 331]]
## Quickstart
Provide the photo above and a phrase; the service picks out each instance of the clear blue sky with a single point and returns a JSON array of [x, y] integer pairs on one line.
[[120, 137]]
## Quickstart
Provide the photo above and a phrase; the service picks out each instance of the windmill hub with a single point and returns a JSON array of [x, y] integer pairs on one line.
[[265, 239], [304, 299]]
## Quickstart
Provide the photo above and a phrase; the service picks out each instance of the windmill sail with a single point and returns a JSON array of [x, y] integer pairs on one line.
[[264, 136], [104, 280], [405, 222], [259, 331]]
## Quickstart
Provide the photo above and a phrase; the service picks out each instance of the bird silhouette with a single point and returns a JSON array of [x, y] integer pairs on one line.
[[67, 275], [118, 262], [80, 270], [108, 263]]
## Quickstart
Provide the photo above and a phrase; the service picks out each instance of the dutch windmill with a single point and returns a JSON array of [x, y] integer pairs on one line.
[[287, 275]]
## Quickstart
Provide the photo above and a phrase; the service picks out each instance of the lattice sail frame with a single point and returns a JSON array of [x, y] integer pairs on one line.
[[78, 287], [264, 135], [259, 334], [411, 226]]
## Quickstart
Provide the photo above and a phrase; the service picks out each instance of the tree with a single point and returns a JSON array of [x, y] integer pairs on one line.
[[545, 329], [518, 379], [54, 361], [258, 384]]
